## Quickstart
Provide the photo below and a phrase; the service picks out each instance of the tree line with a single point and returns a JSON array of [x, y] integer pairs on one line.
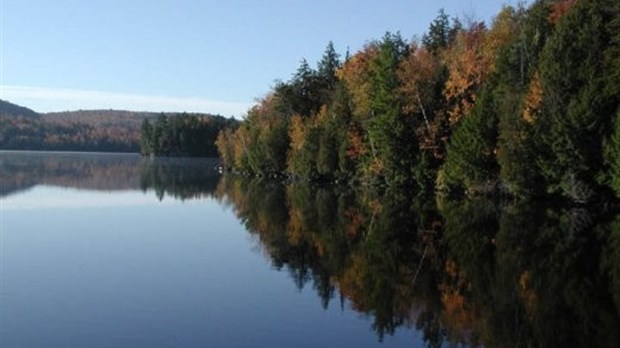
[[182, 135], [110, 131], [527, 106]]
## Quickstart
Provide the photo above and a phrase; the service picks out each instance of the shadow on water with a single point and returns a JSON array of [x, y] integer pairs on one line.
[[474, 272]]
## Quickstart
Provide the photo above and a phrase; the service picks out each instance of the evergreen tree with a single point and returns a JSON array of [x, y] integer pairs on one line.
[[439, 33], [576, 114], [146, 138], [612, 156], [340, 109], [305, 87], [612, 91], [391, 136], [470, 160], [518, 85], [327, 156], [275, 142], [160, 130], [384, 79], [326, 75], [328, 65]]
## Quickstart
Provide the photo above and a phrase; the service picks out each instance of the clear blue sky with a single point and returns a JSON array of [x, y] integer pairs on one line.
[[187, 55]]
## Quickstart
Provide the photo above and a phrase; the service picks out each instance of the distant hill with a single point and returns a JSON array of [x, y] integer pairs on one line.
[[84, 130], [14, 110], [105, 118]]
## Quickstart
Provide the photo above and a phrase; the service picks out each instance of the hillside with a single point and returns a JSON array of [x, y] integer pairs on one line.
[[102, 118], [10, 109], [83, 130]]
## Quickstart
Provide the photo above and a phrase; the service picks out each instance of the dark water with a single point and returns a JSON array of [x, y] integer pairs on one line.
[[117, 251]]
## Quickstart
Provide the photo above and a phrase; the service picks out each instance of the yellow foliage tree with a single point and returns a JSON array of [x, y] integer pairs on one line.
[[355, 74]]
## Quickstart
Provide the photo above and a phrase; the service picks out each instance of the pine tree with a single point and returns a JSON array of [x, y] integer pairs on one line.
[[612, 91], [576, 115], [612, 156], [306, 90], [146, 138], [518, 93], [160, 136], [391, 136], [326, 80], [327, 66], [439, 33], [470, 160]]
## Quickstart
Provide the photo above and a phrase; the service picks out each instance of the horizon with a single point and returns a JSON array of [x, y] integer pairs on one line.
[[122, 107], [212, 57]]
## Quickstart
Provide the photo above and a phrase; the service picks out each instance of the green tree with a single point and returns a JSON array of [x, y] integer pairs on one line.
[[328, 146], [301, 95], [612, 156], [518, 94], [160, 135], [470, 160], [439, 32], [576, 115], [327, 66], [612, 90], [146, 138], [390, 134]]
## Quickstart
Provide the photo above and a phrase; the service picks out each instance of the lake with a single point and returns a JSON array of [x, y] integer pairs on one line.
[[106, 250]]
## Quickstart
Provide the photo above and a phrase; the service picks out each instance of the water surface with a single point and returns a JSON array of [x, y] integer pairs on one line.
[[119, 251]]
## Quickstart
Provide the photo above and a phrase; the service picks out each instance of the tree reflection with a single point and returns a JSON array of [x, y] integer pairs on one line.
[[462, 272], [21, 171], [179, 178], [474, 272], [174, 177]]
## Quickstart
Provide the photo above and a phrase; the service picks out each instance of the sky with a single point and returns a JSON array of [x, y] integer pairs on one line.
[[187, 55]]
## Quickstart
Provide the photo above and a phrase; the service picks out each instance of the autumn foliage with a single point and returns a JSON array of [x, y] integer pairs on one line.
[[97, 130], [461, 273], [524, 105]]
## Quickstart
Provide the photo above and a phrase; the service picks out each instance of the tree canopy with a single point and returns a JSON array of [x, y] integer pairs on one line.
[[526, 105]]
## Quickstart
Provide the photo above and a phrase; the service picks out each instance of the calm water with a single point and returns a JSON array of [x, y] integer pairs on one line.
[[117, 251]]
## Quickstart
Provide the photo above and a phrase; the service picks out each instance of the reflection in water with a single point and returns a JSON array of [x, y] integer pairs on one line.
[[23, 170], [178, 178], [473, 272]]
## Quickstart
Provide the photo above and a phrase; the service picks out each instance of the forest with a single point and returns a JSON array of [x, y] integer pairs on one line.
[[90, 130], [182, 135], [527, 106]]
